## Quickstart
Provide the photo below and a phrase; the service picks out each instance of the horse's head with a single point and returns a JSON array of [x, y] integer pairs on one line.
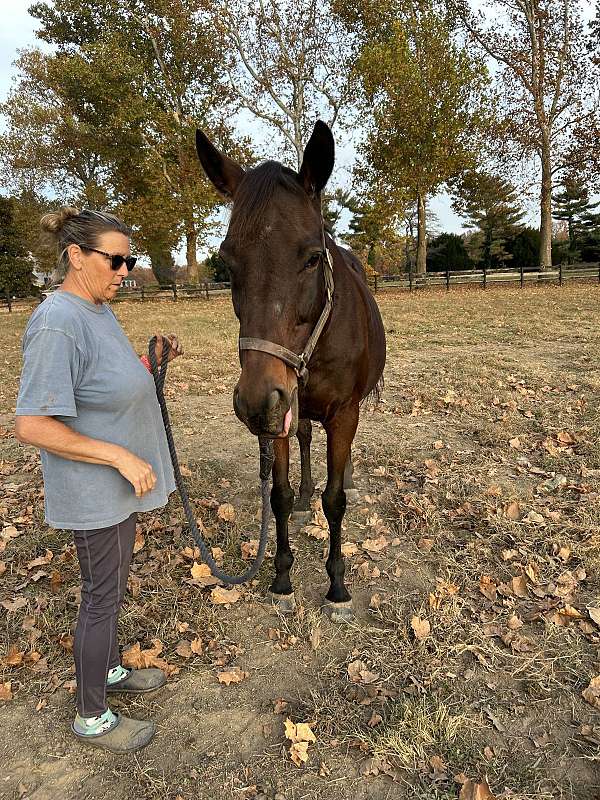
[[274, 252]]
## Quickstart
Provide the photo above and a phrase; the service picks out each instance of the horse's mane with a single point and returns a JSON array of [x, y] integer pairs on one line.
[[254, 194]]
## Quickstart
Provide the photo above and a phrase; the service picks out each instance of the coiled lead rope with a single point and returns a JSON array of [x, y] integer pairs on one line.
[[266, 463]]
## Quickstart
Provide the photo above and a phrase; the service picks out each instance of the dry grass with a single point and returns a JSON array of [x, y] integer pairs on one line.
[[481, 469]]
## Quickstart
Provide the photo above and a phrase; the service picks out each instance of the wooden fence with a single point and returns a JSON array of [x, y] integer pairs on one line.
[[484, 278], [408, 281]]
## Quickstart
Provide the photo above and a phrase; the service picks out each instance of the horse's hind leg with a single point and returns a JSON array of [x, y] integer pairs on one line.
[[307, 486], [340, 433], [282, 501]]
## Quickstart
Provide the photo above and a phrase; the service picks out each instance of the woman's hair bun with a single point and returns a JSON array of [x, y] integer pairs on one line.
[[54, 221]]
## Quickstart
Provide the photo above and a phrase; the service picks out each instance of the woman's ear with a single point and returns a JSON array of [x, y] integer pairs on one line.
[[75, 256]]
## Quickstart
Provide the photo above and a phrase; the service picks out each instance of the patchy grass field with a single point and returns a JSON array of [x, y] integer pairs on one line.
[[472, 557]]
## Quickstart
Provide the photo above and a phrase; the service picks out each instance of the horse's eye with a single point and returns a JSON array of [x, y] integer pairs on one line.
[[313, 261]]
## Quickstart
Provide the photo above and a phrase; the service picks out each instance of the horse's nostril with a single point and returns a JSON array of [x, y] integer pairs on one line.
[[273, 400]]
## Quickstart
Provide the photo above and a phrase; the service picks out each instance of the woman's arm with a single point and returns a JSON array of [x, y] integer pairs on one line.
[[50, 434]]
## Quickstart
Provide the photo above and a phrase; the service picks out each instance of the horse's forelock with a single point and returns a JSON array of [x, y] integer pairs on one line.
[[254, 196]]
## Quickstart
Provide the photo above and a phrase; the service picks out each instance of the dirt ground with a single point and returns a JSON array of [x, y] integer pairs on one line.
[[472, 558]]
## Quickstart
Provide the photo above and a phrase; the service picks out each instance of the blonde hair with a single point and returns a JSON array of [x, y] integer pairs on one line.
[[69, 226]]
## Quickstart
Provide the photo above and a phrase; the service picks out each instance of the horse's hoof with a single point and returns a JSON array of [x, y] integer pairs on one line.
[[338, 612], [352, 495], [284, 603]]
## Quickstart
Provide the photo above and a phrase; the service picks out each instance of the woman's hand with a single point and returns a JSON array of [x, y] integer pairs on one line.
[[137, 471], [175, 346]]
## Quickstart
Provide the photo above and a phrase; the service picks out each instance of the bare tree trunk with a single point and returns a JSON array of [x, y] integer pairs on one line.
[[421, 235], [546, 207], [191, 241]]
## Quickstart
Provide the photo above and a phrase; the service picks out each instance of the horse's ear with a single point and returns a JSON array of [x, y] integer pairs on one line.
[[318, 160], [224, 173]]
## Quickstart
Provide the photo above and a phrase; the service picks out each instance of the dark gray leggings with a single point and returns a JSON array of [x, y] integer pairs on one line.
[[104, 557]]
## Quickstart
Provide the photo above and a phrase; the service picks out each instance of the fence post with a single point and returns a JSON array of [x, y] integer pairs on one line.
[[8, 300], [521, 272], [142, 293], [484, 276], [447, 277], [560, 269], [175, 292], [375, 289], [206, 289], [410, 278]]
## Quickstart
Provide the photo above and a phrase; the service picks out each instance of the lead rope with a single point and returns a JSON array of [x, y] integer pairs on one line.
[[266, 464]]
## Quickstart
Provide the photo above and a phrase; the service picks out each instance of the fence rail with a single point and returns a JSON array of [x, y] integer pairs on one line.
[[482, 277], [408, 281]]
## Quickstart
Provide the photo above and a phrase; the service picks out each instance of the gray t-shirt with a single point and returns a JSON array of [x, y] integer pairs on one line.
[[79, 367]]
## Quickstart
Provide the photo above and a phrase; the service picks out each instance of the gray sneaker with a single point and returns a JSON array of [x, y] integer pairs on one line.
[[138, 681], [124, 736]]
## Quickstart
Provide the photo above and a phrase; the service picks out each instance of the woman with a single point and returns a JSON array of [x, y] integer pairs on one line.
[[88, 402]]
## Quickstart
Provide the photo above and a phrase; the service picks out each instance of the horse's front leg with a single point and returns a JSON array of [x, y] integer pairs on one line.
[[282, 501], [307, 486], [340, 433]]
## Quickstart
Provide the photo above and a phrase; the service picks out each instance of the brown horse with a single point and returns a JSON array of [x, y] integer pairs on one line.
[[290, 285]]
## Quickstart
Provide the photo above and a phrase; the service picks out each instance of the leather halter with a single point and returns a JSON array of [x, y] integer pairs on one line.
[[299, 363]]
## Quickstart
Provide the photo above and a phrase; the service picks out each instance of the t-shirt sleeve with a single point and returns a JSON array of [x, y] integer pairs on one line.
[[51, 364]]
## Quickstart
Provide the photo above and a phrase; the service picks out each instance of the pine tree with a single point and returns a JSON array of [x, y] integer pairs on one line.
[[572, 205], [491, 206]]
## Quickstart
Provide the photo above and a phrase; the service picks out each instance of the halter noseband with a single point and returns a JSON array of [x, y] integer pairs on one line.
[[299, 363]]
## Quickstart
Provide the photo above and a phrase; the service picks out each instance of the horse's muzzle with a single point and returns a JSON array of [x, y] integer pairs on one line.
[[276, 417]]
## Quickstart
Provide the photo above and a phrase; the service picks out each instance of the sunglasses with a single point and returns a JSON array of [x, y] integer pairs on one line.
[[116, 262]]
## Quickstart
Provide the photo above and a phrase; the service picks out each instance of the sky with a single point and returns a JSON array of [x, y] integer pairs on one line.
[[18, 32]]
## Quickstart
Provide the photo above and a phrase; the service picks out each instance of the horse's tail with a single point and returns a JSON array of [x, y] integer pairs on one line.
[[376, 392]]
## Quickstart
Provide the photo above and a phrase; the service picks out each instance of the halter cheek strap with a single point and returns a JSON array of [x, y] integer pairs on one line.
[[299, 363]]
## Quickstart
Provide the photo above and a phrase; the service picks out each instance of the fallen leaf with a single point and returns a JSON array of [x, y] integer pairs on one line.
[[534, 518], [475, 791], [513, 511], [565, 438], [41, 561], [249, 549], [196, 646], [220, 596], [421, 628], [184, 649], [425, 544], [375, 545], [300, 735], [359, 673], [488, 587], [139, 540], [375, 720], [226, 512], [14, 657], [519, 586], [56, 581], [14, 605], [5, 691], [202, 576], [349, 549], [594, 614], [140, 659], [592, 694], [235, 675]]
